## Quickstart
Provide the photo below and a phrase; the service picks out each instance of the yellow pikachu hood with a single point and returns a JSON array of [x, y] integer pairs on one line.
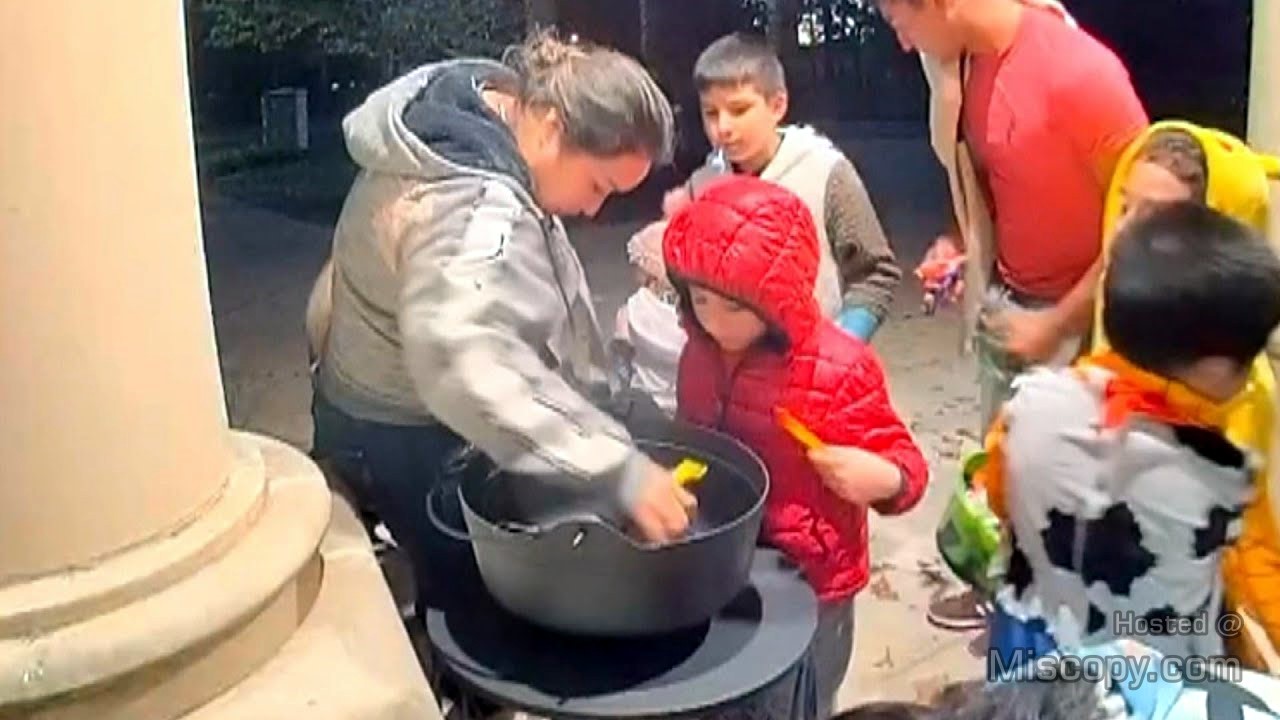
[[1237, 185], [1237, 177]]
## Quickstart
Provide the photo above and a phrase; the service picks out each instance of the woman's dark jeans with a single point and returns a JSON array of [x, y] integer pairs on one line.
[[391, 469]]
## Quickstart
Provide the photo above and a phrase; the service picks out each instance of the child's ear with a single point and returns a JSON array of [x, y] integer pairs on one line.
[[779, 103], [1218, 377], [550, 131]]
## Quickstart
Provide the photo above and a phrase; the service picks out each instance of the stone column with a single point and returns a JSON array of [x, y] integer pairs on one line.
[[1264, 91], [1264, 136], [113, 430], [153, 563]]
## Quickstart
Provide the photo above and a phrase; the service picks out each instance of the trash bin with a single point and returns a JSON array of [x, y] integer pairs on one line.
[[284, 119]]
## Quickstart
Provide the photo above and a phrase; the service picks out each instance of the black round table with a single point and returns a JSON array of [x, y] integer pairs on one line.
[[754, 642]]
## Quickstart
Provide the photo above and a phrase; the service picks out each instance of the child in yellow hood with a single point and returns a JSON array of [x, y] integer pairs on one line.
[[1178, 161]]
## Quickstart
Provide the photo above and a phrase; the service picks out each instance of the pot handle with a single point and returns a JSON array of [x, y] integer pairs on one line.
[[433, 515], [452, 474]]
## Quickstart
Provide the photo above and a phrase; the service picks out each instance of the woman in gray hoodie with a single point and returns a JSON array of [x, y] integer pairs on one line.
[[460, 312]]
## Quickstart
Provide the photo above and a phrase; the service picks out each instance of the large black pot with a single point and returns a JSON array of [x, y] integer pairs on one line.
[[568, 569]]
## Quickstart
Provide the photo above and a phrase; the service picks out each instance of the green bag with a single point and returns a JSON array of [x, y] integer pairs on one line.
[[969, 535]]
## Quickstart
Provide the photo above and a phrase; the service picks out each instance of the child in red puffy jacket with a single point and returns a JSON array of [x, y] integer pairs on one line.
[[744, 259]]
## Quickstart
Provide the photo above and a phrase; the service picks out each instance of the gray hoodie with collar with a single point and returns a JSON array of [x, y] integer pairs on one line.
[[456, 299]]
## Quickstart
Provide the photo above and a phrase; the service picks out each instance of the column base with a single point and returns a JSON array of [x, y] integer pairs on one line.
[[350, 659], [257, 603]]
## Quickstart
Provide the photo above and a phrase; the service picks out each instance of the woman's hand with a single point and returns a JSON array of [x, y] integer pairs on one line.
[[663, 510], [856, 475]]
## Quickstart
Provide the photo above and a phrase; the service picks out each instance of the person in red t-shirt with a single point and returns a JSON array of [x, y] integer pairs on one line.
[[1044, 110]]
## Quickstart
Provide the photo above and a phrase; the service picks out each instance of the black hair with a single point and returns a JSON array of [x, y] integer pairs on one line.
[[1188, 283], [1026, 700], [1022, 700], [740, 58]]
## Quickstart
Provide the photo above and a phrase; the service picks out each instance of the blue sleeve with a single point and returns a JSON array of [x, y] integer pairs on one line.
[[859, 322], [1135, 681], [1148, 695]]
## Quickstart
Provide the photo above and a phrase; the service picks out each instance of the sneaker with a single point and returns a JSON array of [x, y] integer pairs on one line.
[[961, 611]]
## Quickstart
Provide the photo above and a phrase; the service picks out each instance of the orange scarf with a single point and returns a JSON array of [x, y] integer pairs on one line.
[[1131, 390]]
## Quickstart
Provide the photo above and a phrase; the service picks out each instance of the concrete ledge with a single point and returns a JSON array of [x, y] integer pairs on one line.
[[350, 659], [40, 605], [173, 650]]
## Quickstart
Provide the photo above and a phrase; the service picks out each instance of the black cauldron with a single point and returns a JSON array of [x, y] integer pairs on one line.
[[574, 571]]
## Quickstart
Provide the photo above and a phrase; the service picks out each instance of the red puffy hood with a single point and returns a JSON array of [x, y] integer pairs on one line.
[[752, 241]]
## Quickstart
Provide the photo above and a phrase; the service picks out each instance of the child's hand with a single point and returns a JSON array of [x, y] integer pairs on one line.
[[856, 475]]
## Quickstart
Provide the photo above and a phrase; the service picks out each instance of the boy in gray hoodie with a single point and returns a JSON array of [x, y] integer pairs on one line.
[[743, 95]]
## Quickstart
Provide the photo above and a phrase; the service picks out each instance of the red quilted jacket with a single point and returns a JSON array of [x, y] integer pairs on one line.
[[755, 242]]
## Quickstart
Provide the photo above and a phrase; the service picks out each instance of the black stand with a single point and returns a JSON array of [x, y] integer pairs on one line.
[[753, 643]]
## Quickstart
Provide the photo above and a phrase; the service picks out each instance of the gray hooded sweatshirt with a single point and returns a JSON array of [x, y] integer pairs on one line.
[[455, 298], [857, 267]]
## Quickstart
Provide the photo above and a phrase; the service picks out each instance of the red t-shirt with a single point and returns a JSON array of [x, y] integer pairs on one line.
[[1046, 121]]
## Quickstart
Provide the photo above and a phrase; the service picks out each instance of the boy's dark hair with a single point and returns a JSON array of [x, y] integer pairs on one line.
[[1026, 700], [740, 58], [1022, 700], [1179, 152], [1188, 283]]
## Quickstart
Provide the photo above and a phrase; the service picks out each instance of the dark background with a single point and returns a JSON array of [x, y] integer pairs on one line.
[[846, 74]]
